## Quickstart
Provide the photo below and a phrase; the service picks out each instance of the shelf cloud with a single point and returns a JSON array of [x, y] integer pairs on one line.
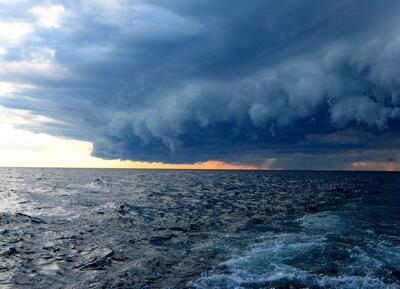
[[280, 84]]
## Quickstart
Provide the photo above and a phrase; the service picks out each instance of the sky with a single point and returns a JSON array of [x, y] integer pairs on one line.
[[296, 84]]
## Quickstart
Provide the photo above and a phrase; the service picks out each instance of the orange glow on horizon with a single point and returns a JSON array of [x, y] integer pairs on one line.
[[375, 166], [207, 165]]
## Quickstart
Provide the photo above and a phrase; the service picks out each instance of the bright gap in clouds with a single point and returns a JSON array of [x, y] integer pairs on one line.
[[49, 16], [14, 32]]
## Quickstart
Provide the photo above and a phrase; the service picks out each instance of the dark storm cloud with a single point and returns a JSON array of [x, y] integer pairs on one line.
[[242, 81]]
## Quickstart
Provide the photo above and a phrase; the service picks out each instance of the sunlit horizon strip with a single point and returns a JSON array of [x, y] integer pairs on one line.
[[20, 148], [25, 149]]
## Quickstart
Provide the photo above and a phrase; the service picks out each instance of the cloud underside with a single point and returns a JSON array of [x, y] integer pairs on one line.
[[282, 84]]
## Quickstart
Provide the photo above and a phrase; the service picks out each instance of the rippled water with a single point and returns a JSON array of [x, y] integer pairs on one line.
[[68, 228]]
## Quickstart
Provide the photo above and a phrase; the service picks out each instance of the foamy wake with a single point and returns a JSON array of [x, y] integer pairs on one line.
[[309, 259]]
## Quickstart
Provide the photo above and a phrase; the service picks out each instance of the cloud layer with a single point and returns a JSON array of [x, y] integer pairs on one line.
[[285, 84]]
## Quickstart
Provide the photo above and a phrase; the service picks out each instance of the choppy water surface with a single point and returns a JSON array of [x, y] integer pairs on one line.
[[198, 229]]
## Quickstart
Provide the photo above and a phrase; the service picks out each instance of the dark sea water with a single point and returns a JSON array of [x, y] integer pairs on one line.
[[69, 228]]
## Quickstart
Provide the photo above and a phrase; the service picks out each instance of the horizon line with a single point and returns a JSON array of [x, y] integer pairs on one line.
[[200, 169]]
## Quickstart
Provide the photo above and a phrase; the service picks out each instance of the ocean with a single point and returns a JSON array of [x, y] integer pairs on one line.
[[89, 228]]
